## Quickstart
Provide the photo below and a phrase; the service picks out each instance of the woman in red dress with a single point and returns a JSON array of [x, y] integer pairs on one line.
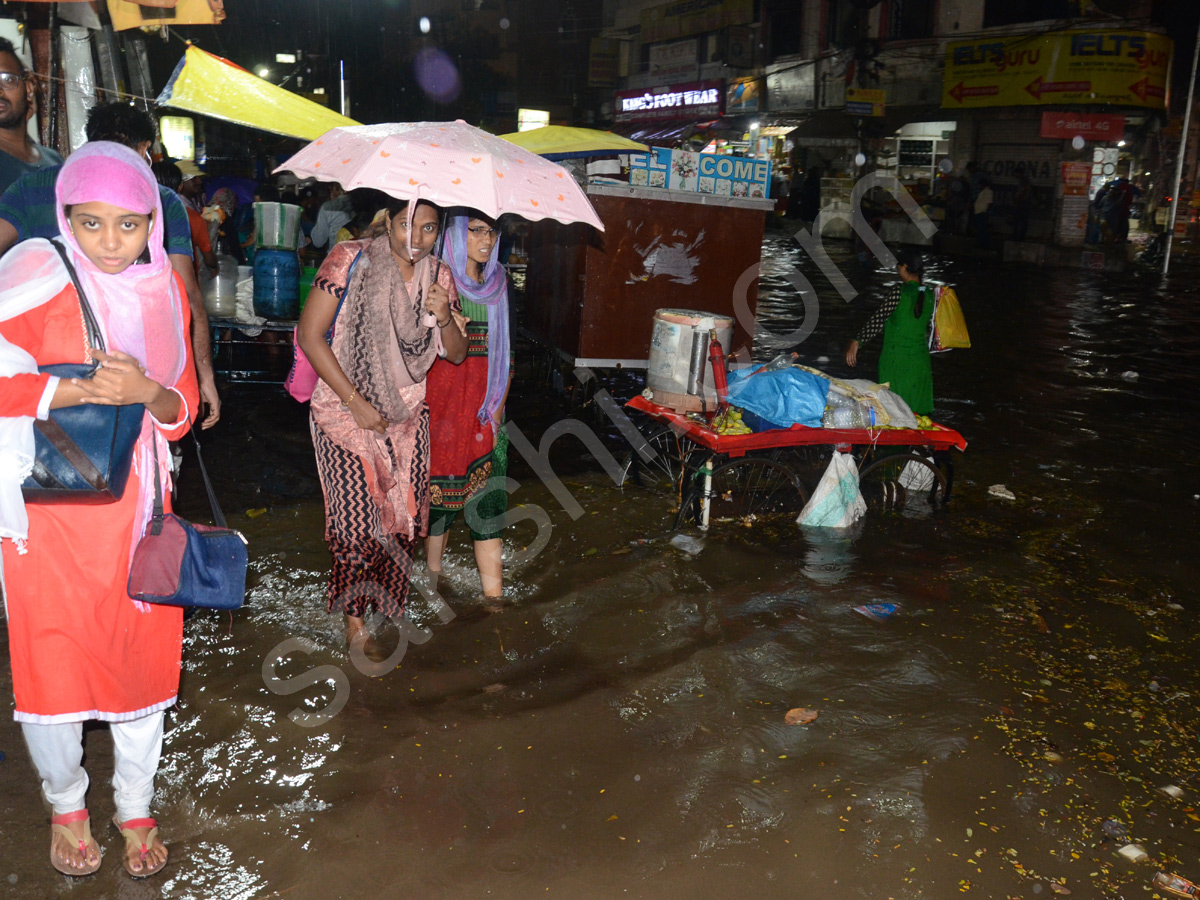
[[468, 446], [80, 647]]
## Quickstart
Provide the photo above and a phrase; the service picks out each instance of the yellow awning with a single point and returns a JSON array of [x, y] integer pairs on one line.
[[559, 141], [206, 84]]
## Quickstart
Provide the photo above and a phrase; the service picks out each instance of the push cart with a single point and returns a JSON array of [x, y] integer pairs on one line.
[[751, 479]]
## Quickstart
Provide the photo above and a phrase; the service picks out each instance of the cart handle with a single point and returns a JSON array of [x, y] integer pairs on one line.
[[716, 355]]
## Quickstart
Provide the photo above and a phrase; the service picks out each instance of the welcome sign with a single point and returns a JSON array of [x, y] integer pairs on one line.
[[703, 173]]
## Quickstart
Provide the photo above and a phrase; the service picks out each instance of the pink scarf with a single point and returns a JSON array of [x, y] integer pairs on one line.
[[138, 309]]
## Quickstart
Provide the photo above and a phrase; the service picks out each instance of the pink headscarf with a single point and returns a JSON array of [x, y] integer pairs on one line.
[[139, 307]]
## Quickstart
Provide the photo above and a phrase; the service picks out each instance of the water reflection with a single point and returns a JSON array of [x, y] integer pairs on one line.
[[619, 730]]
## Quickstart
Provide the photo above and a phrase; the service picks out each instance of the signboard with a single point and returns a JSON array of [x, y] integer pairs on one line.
[[674, 61], [129, 14], [178, 136], [1076, 176], [744, 95], [862, 102], [1089, 126], [603, 62], [1118, 66], [530, 119], [792, 88], [698, 99], [704, 173], [683, 18]]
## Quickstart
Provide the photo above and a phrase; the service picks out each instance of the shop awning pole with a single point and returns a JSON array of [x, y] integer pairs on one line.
[[1183, 139]]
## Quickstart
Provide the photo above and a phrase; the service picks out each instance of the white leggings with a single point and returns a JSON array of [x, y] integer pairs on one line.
[[57, 752]]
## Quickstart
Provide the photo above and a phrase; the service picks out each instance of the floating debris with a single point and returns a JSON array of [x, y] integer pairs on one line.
[[687, 544], [800, 716], [880, 612], [1173, 884], [999, 490], [1134, 853]]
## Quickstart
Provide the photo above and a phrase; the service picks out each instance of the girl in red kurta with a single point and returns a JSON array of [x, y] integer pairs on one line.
[[80, 647]]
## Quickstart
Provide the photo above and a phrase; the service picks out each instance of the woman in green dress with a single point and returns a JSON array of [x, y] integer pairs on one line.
[[903, 317]]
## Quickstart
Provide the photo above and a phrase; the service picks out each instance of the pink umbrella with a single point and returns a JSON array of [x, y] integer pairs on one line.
[[448, 164]]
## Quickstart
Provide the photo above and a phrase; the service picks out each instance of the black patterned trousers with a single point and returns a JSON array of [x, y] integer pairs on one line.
[[370, 569]]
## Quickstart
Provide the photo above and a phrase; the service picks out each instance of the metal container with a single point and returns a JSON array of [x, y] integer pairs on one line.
[[679, 371]]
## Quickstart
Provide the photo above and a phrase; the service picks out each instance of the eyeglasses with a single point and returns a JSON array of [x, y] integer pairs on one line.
[[482, 231], [11, 79]]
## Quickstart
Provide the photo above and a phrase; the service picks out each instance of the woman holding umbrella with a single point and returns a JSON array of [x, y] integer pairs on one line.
[[370, 423], [469, 450]]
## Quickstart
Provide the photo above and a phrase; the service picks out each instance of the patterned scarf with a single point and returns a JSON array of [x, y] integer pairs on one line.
[[385, 347]]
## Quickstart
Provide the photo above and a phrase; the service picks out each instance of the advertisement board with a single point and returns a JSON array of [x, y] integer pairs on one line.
[[676, 60], [1089, 126], [704, 173], [697, 99], [683, 18], [1116, 66], [863, 102]]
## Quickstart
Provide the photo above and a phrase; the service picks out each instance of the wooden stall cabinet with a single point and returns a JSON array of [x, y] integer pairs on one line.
[[592, 296]]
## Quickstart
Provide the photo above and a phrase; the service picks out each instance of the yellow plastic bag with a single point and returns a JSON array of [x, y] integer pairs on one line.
[[949, 325]]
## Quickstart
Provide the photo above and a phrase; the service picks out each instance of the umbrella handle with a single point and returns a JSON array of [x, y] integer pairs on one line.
[[437, 270]]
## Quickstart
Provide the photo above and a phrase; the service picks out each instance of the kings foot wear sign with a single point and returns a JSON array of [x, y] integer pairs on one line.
[[699, 99], [704, 173], [1125, 68]]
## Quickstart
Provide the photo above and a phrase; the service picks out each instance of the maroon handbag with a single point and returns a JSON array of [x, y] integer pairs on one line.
[[177, 563]]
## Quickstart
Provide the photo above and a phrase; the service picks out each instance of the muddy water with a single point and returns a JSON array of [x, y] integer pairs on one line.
[[618, 730]]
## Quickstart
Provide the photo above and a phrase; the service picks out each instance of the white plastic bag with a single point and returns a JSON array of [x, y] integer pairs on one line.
[[837, 501], [916, 477]]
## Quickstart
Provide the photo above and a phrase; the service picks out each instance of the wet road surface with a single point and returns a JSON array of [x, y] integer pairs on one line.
[[618, 730]]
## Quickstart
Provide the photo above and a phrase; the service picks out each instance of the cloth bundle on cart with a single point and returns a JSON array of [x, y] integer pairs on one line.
[[780, 397]]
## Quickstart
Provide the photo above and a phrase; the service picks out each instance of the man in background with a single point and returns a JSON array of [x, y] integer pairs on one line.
[[333, 215], [27, 210], [170, 175], [18, 152]]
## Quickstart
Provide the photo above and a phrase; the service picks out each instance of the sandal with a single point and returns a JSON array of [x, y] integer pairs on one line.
[[58, 826], [134, 842]]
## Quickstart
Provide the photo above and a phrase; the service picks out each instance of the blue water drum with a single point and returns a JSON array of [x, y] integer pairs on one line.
[[277, 284]]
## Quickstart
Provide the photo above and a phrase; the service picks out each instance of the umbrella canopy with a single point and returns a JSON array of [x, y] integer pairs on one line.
[[562, 142], [206, 84], [449, 164]]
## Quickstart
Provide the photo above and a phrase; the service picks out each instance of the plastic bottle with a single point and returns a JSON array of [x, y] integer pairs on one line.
[[855, 415]]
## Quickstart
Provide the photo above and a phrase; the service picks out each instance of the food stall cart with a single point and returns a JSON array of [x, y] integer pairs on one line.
[[592, 297]]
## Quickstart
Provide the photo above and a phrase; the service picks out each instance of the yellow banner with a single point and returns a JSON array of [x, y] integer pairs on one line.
[[682, 18], [1100, 66], [211, 86]]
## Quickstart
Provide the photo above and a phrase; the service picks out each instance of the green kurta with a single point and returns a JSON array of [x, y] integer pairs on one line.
[[904, 360]]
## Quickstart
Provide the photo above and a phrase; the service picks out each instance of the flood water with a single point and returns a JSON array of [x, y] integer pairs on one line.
[[618, 730]]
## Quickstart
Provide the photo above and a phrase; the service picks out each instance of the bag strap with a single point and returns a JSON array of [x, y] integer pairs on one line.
[[342, 299], [218, 516], [94, 336]]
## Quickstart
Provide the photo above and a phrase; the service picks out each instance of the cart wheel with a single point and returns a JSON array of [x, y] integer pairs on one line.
[[891, 481], [747, 492], [664, 472]]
